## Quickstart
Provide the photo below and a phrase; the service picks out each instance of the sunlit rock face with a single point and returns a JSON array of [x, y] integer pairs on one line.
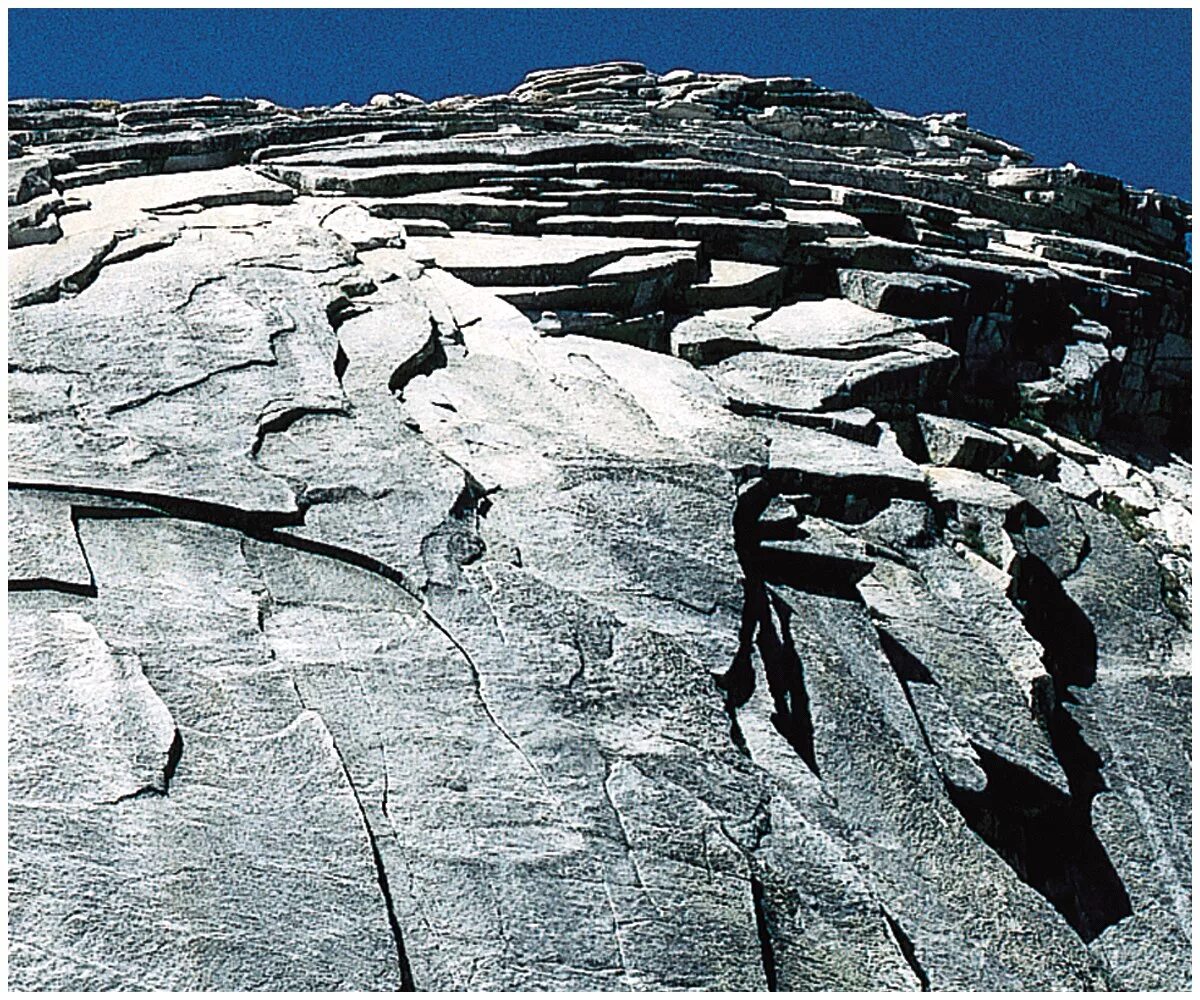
[[639, 531]]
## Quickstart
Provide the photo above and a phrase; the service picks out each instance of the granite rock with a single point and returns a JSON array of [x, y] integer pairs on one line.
[[643, 531]]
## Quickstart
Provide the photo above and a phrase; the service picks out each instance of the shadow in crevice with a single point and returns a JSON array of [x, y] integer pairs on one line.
[[765, 626], [763, 926], [1046, 836], [904, 943], [785, 680], [426, 361], [1057, 622], [907, 667]]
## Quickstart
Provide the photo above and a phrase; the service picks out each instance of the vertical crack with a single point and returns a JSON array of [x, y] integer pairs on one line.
[[92, 590], [406, 976], [616, 922], [763, 927], [904, 943], [162, 785], [738, 680], [477, 681], [625, 840], [785, 679], [174, 755]]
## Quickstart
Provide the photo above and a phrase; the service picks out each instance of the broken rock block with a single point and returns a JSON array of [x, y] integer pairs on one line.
[[955, 442], [896, 380], [919, 296]]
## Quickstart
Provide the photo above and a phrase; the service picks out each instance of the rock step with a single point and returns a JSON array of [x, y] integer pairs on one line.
[[504, 148], [824, 328], [737, 283], [100, 174], [594, 194], [459, 208], [496, 260], [893, 383], [629, 285], [762, 241], [804, 460], [646, 331]]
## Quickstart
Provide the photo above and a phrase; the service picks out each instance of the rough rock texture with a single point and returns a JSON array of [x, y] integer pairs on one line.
[[637, 532]]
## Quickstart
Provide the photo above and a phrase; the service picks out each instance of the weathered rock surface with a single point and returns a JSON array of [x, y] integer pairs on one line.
[[641, 531]]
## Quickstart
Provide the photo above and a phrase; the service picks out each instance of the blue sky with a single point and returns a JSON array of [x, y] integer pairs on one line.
[[1107, 89]]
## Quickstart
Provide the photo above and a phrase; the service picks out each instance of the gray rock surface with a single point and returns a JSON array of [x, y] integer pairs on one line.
[[661, 532]]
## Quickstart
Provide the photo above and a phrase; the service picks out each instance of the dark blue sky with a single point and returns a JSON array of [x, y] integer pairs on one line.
[[1107, 89]]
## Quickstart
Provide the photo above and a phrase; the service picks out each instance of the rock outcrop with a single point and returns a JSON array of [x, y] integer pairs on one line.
[[639, 531]]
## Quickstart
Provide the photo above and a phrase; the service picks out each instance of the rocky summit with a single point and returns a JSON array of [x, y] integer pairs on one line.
[[639, 531]]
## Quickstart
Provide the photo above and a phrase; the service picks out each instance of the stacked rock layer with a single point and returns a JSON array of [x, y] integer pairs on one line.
[[636, 532]]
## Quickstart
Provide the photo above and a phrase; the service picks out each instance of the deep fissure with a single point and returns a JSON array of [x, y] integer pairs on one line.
[[765, 627], [763, 926]]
